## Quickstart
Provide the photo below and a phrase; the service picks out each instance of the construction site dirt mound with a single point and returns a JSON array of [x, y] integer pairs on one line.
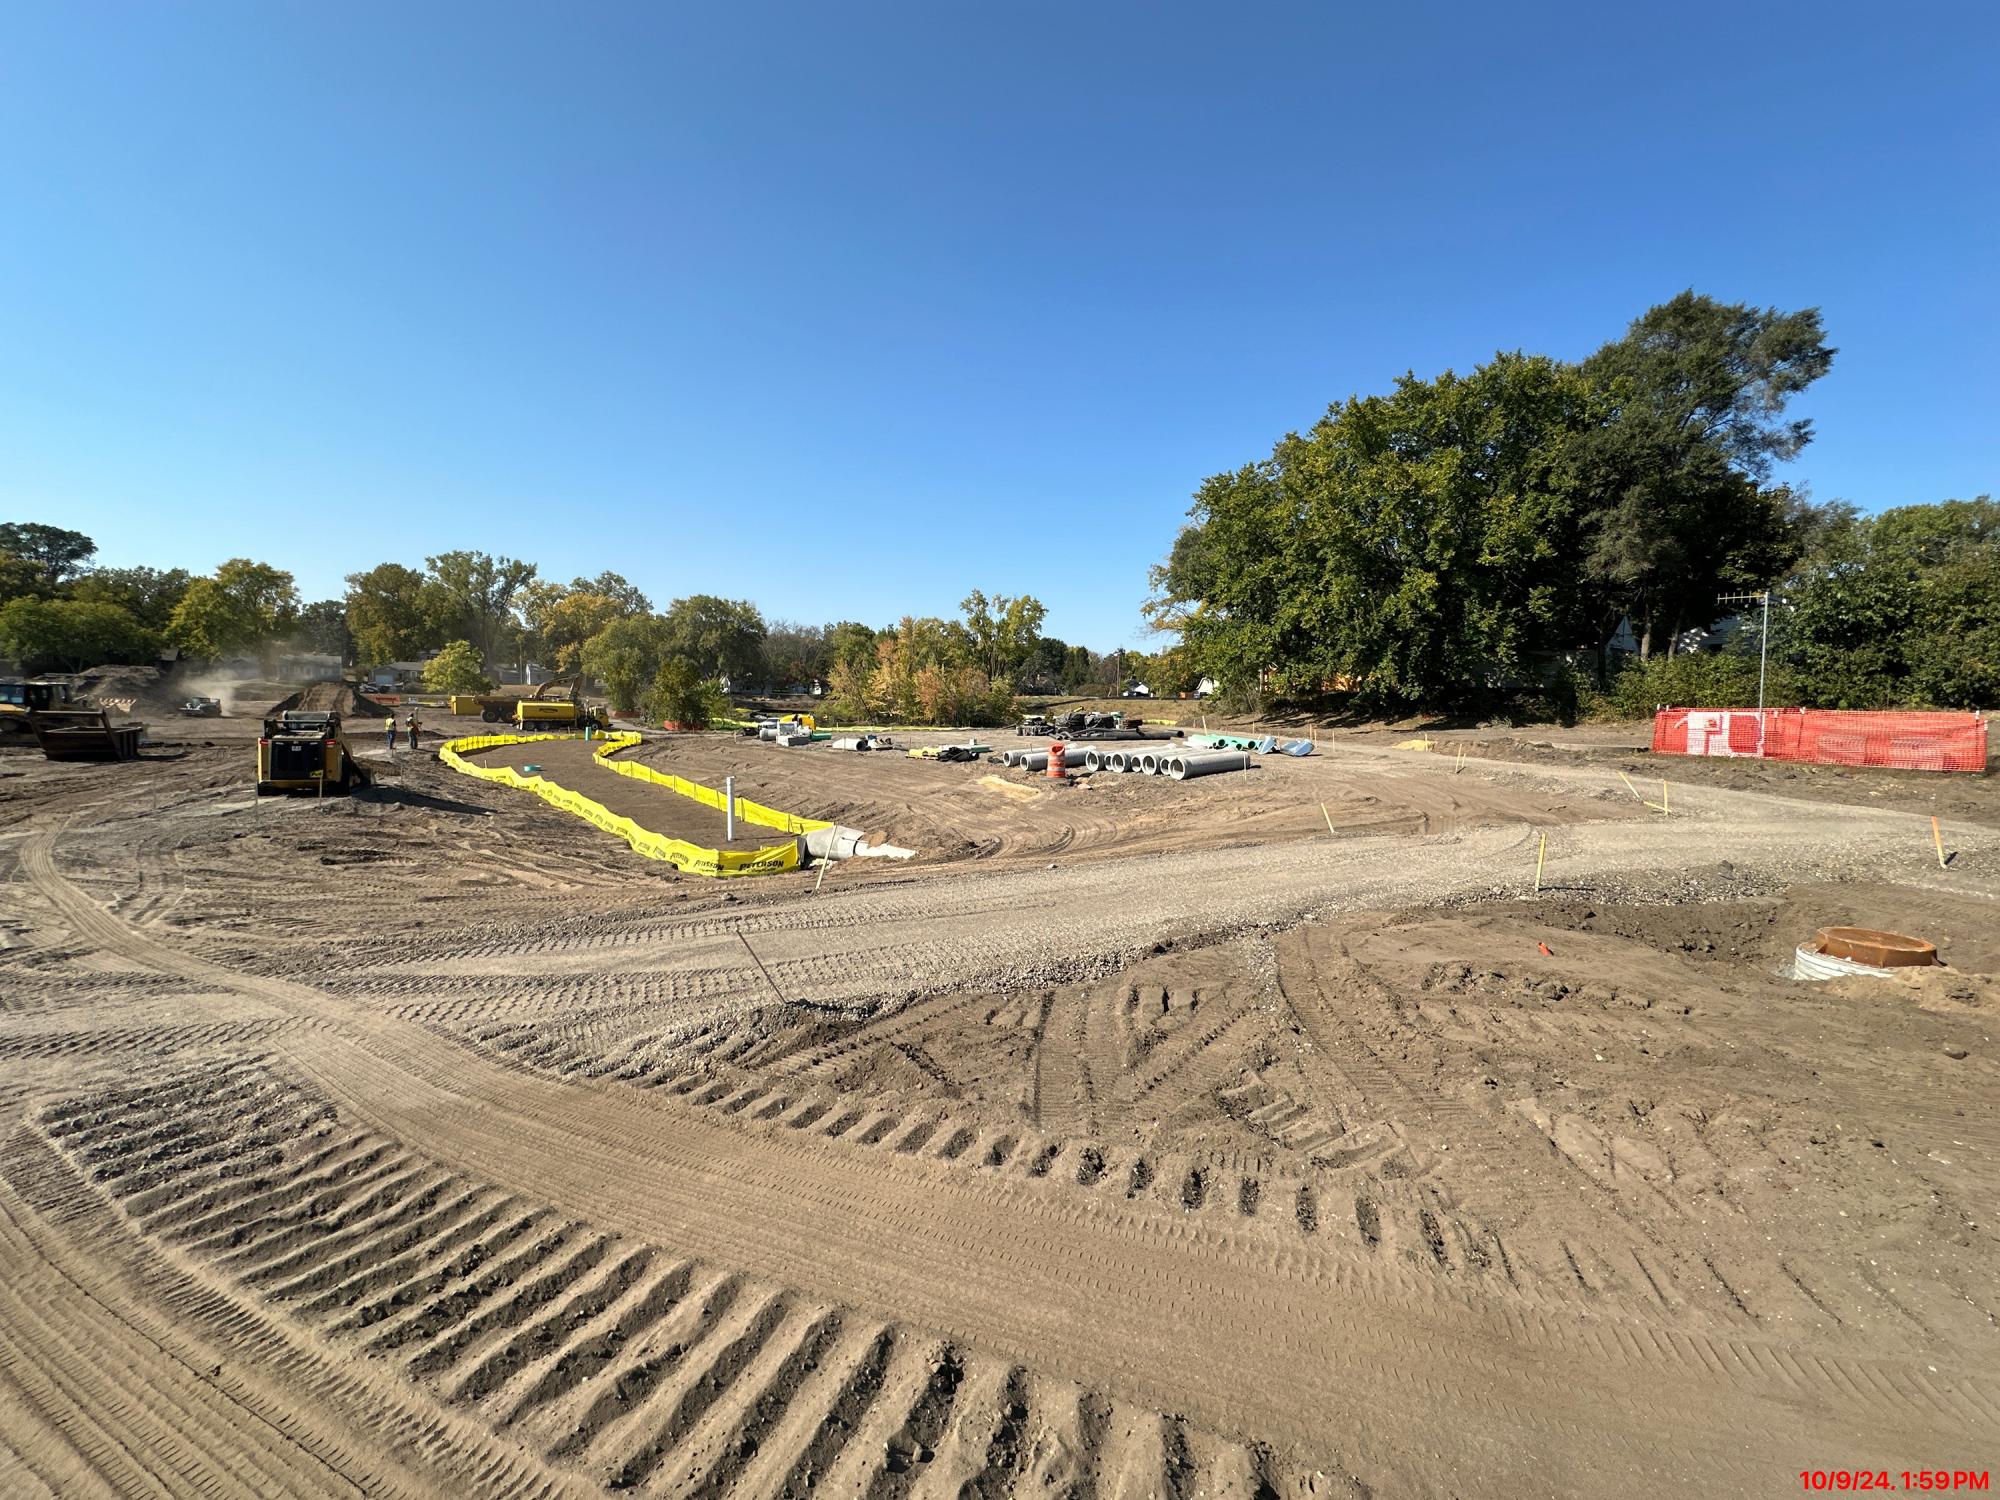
[[342, 698], [126, 689]]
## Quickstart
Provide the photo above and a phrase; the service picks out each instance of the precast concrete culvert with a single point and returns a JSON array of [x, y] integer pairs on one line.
[[1205, 763]]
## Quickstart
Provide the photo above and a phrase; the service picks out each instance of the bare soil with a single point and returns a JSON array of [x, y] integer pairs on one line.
[[1138, 1139], [574, 764]]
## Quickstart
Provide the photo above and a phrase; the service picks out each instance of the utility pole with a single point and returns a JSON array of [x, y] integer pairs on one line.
[[1763, 635]]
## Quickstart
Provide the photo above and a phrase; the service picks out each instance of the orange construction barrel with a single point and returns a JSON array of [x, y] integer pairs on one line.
[[1058, 771]]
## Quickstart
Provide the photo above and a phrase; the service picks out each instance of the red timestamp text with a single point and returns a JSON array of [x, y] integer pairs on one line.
[[1930, 1481]]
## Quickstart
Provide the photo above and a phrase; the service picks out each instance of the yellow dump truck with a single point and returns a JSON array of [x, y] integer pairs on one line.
[[302, 750], [557, 714]]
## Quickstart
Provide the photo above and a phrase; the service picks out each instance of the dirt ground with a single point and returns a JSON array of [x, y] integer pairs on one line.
[[1268, 1134], [574, 764]]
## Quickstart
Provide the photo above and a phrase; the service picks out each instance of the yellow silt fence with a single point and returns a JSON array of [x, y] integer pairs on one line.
[[683, 855]]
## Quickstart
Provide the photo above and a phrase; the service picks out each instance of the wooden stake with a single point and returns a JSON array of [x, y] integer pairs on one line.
[[1541, 855], [1937, 837], [1664, 804], [1636, 793], [825, 860], [1329, 819]]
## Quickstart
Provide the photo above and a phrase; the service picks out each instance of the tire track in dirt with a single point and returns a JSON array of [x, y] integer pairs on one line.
[[881, 1233]]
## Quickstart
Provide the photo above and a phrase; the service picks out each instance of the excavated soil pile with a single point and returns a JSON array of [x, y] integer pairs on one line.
[[130, 690], [342, 698]]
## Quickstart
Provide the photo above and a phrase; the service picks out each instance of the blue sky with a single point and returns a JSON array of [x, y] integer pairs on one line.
[[850, 308]]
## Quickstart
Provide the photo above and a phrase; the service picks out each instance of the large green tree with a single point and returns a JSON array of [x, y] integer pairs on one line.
[[322, 628], [246, 606], [471, 596], [1423, 544], [1694, 419], [1002, 630], [626, 656], [1899, 609], [72, 634], [59, 553], [148, 594], [386, 616], [720, 637]]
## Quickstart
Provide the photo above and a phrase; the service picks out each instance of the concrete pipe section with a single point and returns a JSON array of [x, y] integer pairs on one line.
[[1206, 763]]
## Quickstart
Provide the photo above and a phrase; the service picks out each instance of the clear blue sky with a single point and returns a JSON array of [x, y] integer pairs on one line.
[[848, 308]]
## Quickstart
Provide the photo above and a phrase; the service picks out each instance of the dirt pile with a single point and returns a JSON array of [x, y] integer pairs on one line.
[[129, 690], [342, 698]]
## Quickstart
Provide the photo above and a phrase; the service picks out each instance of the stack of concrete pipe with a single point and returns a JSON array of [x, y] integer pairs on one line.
[[1178, 764]]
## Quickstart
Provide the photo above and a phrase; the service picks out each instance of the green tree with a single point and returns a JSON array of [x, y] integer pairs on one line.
[[322, 628], [148, 594], [1002, 630], [72, 634], [794, 655], [245, 607], [386, 616], [681, 695], [1900, 609], [59, 553], [626, 656], [456, 669], [1694, 419], [471, 595], [851, 643], [1423, 544], [22, 579], [720, 637]]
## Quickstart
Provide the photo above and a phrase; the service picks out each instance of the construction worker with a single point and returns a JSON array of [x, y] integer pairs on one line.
[[389, 730], [414, 728]]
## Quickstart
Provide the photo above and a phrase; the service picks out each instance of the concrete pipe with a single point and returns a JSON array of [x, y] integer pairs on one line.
[[1038, 760], [1118, 761], [1094, 760], [1208, 763], [1149, 763]]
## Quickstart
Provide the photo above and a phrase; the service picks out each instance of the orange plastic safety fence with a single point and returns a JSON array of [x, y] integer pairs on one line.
[[1909, 741]]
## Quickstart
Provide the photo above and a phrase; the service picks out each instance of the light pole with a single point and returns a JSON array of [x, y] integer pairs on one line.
[[1763, 634]]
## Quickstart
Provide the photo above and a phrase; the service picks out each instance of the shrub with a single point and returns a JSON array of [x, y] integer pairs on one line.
[[1699, 680]]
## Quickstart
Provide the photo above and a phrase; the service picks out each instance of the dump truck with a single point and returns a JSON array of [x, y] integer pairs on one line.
[[83, 734], [19, 699], [558, 693], [528, 714], [302, 750]]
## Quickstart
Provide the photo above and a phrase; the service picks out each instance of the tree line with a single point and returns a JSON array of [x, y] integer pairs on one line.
[[1493, 535], [465, 614]]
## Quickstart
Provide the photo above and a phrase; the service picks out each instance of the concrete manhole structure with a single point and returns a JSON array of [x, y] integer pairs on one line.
[[1844, 952]]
